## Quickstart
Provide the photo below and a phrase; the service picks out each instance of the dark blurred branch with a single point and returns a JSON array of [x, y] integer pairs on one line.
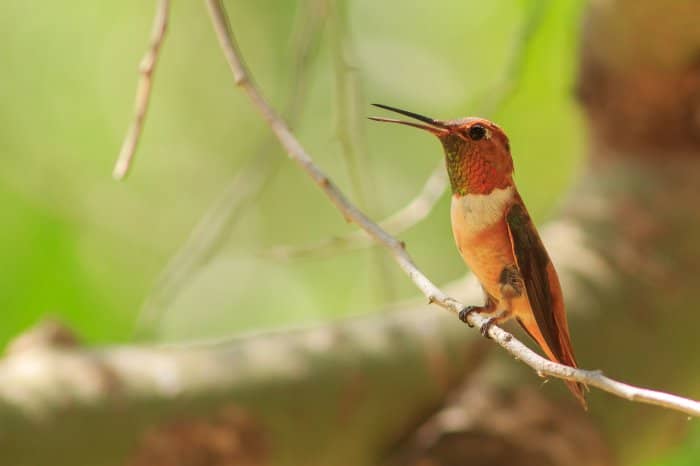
[[486, 423], [143, 93], [423, 203], [337, 375], [434, 295]]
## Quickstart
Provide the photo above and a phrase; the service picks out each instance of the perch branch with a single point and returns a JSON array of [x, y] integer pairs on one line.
[[436, 296], [143, 93]]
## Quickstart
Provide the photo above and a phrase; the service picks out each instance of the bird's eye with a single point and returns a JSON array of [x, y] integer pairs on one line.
[[477, 132]]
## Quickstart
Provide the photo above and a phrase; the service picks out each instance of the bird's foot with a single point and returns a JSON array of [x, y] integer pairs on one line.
[[467, 311], [486, 326]]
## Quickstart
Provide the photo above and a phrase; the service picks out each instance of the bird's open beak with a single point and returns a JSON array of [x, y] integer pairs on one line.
[[436, 127]]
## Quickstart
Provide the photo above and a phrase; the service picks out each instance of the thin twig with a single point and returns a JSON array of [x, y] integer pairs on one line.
[[424, 202], [298, 154], [411, 214], [143, 93], [350, 133], [343, 71]]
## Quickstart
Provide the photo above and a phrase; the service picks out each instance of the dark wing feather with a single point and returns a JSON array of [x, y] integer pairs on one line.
[[533, 262]]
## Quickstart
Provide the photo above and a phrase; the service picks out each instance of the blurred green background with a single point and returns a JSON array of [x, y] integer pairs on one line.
[[77, 245], [80, 246]]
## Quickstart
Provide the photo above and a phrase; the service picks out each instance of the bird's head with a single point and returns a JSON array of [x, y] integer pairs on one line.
[[477, 152]]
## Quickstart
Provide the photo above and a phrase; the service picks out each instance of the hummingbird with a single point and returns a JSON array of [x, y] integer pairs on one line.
[[496, 236]]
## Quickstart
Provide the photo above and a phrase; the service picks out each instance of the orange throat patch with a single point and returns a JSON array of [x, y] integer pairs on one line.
[[483, 177]]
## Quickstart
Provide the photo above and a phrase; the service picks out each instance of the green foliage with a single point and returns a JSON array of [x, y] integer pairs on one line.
[[80, 246]]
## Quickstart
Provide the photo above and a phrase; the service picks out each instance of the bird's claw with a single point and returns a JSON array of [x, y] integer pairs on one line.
[[466, 312], [486, 326]]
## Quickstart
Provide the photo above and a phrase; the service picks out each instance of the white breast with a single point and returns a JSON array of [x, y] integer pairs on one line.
[[474, 212]]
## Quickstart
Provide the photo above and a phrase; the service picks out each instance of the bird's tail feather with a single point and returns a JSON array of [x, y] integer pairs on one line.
[[566, 357]]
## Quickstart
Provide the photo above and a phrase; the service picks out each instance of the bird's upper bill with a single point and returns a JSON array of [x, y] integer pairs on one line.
[[437, 127]]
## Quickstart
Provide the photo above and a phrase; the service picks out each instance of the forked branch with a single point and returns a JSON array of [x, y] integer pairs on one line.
[[434, 295]]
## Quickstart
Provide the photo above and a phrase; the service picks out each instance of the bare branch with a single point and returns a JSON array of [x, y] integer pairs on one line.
[[143, 92], [423, 203], [297, 153]]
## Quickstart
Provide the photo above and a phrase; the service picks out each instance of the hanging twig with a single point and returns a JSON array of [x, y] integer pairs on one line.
[[434, 295], [411, 214], [350, 133], [143, 93]]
